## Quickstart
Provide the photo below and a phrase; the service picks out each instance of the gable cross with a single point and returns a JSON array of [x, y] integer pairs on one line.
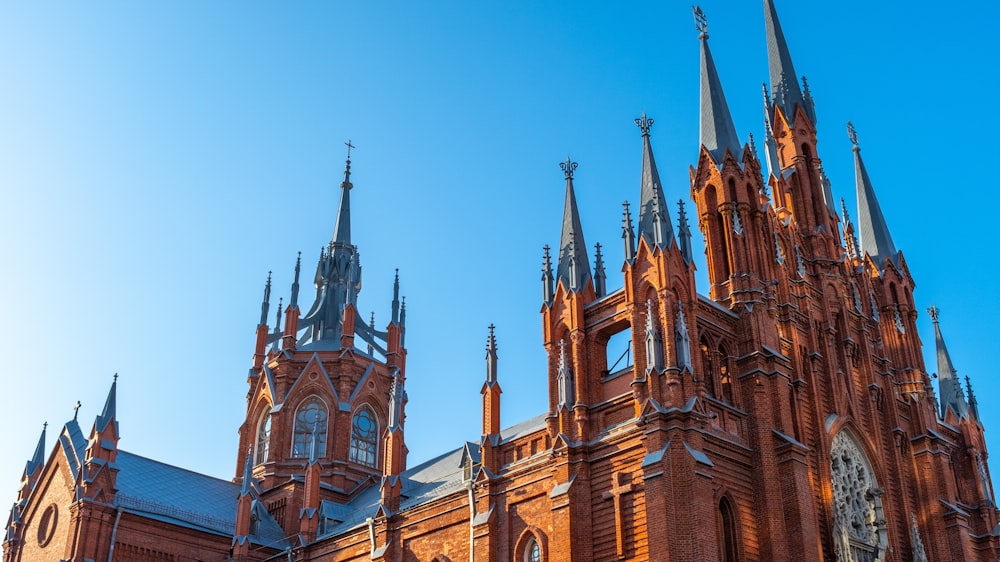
[[618, 489]]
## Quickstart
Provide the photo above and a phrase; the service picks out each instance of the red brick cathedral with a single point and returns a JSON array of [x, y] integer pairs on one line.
[[787, 415]]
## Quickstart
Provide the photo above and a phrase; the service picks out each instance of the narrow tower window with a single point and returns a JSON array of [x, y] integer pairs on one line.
[[310, 428], [727, 532], [263, 439], [364, 437]]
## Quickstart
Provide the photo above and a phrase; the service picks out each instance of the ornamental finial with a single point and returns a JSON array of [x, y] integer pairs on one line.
[[349, 147], [644, 124], [853, 135], [700, 22], [76, 409], [934, 312], [568, 167]]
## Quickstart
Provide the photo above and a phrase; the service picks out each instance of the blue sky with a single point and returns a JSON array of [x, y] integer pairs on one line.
[[158, 159]]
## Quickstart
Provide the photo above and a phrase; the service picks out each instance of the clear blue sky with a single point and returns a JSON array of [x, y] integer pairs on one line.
[[157, 159]]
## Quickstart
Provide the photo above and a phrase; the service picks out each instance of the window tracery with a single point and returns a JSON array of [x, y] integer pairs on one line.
[[858, 524], [364, 437], [310, 428]]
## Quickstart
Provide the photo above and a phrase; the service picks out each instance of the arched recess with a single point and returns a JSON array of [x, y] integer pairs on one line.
[[719, 263], [530, 546], [263, 440], [312, 418], [859, 526], [729, 543], [725, 374], [364, 436]]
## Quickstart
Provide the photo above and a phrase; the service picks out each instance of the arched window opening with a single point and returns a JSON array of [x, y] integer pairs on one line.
[[725, 377], [263, 438], [707, 368], [364, 437], [532, 551], [859, 526], [618, 352], [727, 532], [310, 428]]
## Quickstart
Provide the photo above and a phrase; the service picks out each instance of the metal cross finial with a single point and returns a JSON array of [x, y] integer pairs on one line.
[[46, 424], [852, 134], [934, 312], [568, 167], [644, 124], [115, 377], [349, 147], [700, 20], [76, 409]]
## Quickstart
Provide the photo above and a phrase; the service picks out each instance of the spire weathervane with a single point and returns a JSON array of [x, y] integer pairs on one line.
[[568, 167], [852, 134], [700, 21], [644, 124]]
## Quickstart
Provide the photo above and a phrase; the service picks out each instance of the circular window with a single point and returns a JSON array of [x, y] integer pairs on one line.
[[47, 525]]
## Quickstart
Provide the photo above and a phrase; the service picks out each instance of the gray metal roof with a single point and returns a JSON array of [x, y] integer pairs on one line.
[[654, 216], [948, 383], [875, 239], [110, 407], [573, 269], [784, 82], [717, 132]]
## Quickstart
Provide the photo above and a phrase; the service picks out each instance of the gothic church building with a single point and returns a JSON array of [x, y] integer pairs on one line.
[[786, 415]]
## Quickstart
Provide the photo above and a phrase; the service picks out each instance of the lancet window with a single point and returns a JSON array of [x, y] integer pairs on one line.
[[263, 439], [859, 527], [310, 428], [727, 532], [364, 437]]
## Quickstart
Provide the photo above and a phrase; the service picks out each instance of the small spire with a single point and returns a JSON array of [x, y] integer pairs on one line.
[[684, 231], [573, 268], [395, 298], [402, 323], [785, 90], [313, 450], [371, 348], [396, 394], [277, 316], [875, 238], [38, 459], [491, 357], [850, 237], [654, 218], [770, 145], [110, 406], [717, 131], [973, 403], [628, 233], [600, 277], [266, 304], [547, 280], [950, 389], [654, 342], [294, 301], [247, 473]]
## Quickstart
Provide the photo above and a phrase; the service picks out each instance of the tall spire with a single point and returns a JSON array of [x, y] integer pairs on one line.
[[948, 383], [654, 217], [875, 238], [491, 357], [785, 91], [342, 230], [717, 132], [573, 269], [38, 459], [110, 406]]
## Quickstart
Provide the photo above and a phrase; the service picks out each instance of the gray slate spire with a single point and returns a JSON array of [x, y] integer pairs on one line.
[[948, 383], [294, 302], [875, 238], [573, 269], [654, 217], [684, 233], [491, 358], [548, 285], [717, 132], [110, 406], [338, 275], [600, 277], [628, 233], [38, 459], [785, 90]]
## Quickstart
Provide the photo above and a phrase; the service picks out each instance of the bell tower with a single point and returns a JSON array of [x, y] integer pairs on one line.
[[321, 408]]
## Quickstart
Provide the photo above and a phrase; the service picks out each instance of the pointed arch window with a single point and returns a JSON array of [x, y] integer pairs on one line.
[[728, 546], [532, 551], [859, 526], [364, 437], [263, 438], [310, 428]]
